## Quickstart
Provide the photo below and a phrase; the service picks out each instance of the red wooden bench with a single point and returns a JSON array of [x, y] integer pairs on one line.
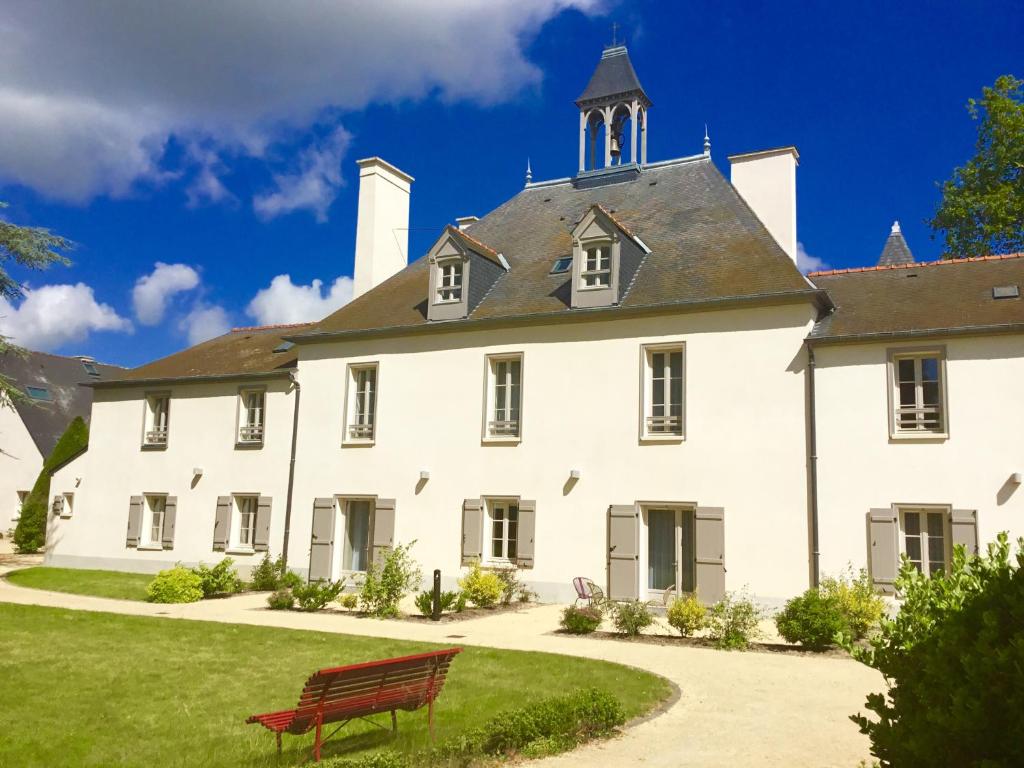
[[343, 694]]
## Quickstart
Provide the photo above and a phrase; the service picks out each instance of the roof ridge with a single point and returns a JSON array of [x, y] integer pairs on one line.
[[271, 326], [916, 264]]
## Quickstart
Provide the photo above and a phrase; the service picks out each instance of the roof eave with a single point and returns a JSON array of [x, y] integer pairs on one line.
[[197, 379], [922, 333]]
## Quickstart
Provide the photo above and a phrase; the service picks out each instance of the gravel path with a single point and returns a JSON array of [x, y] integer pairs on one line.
[[734, 709]]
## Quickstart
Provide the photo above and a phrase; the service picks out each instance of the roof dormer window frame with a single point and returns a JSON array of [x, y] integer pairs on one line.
[[595, 231], [450, 279], [596, 267]]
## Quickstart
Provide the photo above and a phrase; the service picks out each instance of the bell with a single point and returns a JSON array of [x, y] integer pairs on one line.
[[616, 149]]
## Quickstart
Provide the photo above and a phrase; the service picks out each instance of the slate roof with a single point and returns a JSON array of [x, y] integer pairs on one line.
[[61, 377], [931, 298], [896, 250], [706, 246], [614, 76], [241, 352]]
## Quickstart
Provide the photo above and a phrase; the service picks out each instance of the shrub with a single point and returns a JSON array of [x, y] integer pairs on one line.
[[425, 602], [862, 607], [385, 586], [271, 575], [688, 615], [291, 580], [814, 619], [317, 594], [955, 664], [349, 601], [632, 617], [281, 600], [581, 621], [732, 622], [222, 579], [511, 587], [482, 588], [387, 759], [175, 585]]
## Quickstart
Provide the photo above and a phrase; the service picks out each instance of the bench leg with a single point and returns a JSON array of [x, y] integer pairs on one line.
[[394, 722], [317, 742], [430, 719], [278, 734]]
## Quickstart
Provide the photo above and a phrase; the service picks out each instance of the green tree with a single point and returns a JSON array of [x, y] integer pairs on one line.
[[34, 248], [982, 209]]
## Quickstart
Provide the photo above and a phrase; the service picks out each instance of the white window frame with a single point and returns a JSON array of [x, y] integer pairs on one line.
[[156, 425], [451, 274], [918, 432], [251, 432], [243, 506], [505, 503], [360, 427], [499, 430], [69, 504], [649, 422], [679, 510], [944, 512], [146, 540], [602, 275]]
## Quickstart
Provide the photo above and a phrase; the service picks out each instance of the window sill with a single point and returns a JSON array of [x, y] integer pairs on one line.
[[918, 437], [150, 548], [64, 517], [662, 439], [502, 440], [248, 445], [240, 551], [355, 442], [594, 288], [154, 446]]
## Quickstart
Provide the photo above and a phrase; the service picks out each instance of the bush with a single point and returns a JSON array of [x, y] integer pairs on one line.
[[632, 617], [688, 615], [30, 531], [862, 607], [954, 660], [581, 621], [425, 602], [175, 585], [271, 575], [222, 579], [482, 588], [386, 586], [281, 600], [375, 760], [317, 594], [813, 619], [349, 601], [732, 622], [511, 587]]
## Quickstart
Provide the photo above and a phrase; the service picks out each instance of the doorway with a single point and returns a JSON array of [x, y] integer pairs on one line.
[[671, 559]]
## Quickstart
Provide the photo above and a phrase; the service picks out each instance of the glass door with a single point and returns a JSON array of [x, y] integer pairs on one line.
[[661, 549]]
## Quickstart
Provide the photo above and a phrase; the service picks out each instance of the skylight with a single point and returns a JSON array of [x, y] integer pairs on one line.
[[1006, 292], [38, 393], [561, 265], [284, 346], [90, 368]]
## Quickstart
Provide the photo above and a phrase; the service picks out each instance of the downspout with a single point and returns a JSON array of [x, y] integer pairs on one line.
[[812, 446], [291, 470]]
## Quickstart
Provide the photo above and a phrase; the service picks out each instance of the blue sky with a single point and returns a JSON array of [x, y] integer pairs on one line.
[[223, 141]]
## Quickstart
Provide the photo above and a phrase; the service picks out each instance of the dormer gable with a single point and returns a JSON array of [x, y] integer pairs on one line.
[[606, 256], [462, 271]]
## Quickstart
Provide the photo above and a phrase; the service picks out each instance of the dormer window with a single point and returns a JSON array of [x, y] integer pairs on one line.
[[605, 256], [449, 280], [597, 267]]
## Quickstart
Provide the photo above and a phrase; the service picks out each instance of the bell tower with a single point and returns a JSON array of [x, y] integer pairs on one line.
[[613, 103]]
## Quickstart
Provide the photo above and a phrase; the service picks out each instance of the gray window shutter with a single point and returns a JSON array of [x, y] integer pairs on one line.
[[321, 546], [709, 546], [883, 549], [261, 538], [170, 517], [525, 533], [472, 530], [222, 524], [964, 529], [134, 521], [58, 505], [383, 529], [623, 552]]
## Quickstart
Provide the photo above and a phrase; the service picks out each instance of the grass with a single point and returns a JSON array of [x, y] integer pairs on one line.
[[124, 586], [98, 689]]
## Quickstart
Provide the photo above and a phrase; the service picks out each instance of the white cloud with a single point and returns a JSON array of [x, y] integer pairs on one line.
[[55, 315], [284, 302], [235, 76], [153, 291], [206, 186], [314, 186], [205, 322], [805, 262]]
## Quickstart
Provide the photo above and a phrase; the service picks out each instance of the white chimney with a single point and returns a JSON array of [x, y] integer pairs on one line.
[[465, 222], [382, 226], [767, 181]]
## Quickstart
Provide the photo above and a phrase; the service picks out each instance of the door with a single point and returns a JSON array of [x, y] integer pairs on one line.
[[357, 535], [321, 549], [671, 554]]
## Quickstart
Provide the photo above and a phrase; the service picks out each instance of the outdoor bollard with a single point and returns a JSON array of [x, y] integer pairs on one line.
[[436, 614]]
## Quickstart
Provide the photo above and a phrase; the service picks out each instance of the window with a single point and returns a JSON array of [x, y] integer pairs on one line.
[[245, 528], [663, 392], [597, 267], [924, 539], [90, 368], [671, 531], [39, 393], [157, 419], [362, 404], [504, 520], [356, 555], [918, 393], [153, 525], [251, 403], [504, 397], [69, 503], [562, 264], [449, 280]]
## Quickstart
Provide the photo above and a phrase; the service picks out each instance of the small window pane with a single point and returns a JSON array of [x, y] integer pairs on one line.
[[912, 523], [906, 370], [930, 369]]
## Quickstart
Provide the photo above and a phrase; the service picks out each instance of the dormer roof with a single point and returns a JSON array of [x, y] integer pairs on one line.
[[472, 244], [604, 214], [614, 79]]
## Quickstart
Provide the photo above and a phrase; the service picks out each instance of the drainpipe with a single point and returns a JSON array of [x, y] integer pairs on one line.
[[812, 446], [291, 470]]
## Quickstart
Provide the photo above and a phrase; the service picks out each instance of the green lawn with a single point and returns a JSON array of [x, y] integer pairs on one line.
[[125, 586], [96, 689]]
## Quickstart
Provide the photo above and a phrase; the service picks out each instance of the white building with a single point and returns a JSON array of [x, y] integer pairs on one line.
[[610, 375]]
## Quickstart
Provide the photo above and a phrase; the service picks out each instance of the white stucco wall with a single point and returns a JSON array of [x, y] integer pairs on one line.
[[201, 434], [860, 467], [744, 449], [20, 464]]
